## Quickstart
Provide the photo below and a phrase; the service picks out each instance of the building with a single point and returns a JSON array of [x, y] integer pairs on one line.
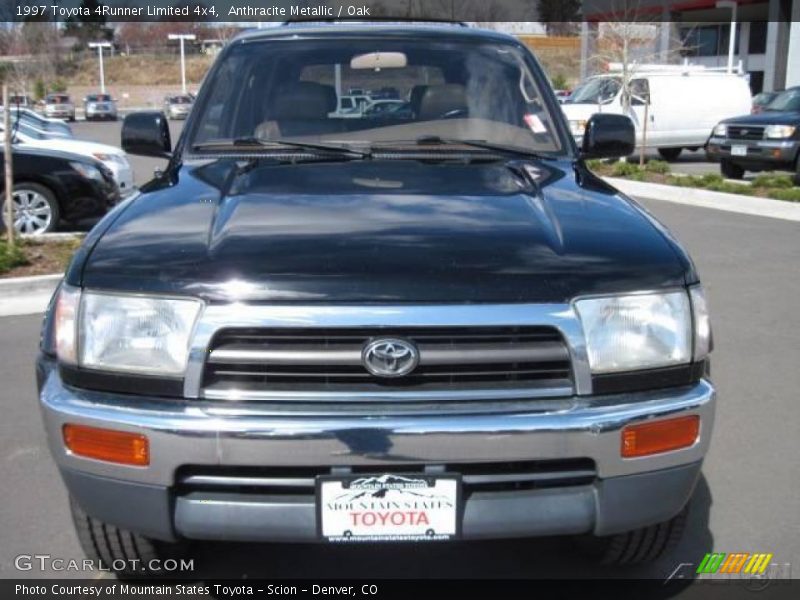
[[767, 40]]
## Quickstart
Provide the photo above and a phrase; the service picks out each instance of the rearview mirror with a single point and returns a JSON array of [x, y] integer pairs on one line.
[[379, 60], [147, 133], [608, 136]]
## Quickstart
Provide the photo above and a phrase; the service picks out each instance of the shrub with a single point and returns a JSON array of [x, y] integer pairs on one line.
[[625, 169], [39, 89], [657, 166], [10, 257], [559, 81], [772, 180], [791, 195], [59, 86]]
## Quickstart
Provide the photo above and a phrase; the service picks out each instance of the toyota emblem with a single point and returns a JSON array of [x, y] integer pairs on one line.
[[386, 357]]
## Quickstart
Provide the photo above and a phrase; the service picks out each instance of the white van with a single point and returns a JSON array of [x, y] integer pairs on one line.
[[684, 103]]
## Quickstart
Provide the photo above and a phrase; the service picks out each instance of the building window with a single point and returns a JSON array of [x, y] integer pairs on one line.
[[758, 37], [708, 40]]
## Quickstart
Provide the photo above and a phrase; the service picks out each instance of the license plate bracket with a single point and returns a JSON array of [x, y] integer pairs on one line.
[[389, 507], [738, 150]]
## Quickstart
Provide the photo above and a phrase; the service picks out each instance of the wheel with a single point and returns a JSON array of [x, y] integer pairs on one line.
[[128, 554], [670, 153], [730, 170], [35, 209], [638, 546]]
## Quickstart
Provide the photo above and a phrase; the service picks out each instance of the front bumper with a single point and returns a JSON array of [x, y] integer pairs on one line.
[[766, 153], [123, 176], [625, 494]]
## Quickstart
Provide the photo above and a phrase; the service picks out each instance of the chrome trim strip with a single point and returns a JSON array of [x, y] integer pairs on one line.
[[309, 482], [192, 433], [233, 481], [418, 396], [217, 317], [457, 354]]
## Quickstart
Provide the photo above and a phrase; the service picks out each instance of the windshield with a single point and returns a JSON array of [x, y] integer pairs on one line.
[[180, 100], [57, 100], [595, 91], [98, 98], [307, 90], [786, 101]]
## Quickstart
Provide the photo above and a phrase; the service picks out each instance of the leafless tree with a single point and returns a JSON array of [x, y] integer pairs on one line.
[[631, 40]]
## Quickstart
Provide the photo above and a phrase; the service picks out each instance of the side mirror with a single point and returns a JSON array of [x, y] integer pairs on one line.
[[147, 133], [608, 136]]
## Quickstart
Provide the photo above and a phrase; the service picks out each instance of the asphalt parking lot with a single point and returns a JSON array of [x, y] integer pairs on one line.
[[747, 500]]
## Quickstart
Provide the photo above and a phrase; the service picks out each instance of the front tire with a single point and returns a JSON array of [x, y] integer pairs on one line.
[[731, 170], [638, 546], [670, 153], [115, 547], [36, 209]]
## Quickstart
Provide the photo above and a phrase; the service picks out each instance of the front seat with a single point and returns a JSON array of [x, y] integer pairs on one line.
[[444, 101], [300, 108]]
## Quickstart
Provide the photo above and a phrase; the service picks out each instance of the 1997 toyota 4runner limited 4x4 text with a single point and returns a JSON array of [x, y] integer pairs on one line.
[[429, 325]]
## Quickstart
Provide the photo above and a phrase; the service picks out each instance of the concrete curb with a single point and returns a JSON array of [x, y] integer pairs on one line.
[[747, 205], [26, 295]]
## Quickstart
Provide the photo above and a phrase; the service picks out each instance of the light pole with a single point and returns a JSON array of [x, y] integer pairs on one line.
[[732, 37], [100, 46], [182, 37]]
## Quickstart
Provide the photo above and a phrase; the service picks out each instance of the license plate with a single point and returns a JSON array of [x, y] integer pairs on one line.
[[388, 508], [739, 150]]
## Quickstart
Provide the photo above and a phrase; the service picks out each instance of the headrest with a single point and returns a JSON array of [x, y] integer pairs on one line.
[[415, 98], [439, 100], [304, 100]]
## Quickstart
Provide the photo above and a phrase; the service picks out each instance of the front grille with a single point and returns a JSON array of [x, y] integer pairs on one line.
[[475, 477], [745, 132], [329, 360]]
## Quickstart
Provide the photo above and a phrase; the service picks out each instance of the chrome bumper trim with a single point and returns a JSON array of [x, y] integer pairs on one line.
[[194, 433]]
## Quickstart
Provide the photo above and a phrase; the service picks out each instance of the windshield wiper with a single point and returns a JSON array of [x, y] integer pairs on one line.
[[514, 151], [258, 142]]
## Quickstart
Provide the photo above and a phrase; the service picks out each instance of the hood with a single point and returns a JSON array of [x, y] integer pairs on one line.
[[391, 231], [766, 118], [75, 146]]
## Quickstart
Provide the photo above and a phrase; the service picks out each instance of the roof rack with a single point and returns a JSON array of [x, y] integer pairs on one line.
[[615, 67], [376, 20]]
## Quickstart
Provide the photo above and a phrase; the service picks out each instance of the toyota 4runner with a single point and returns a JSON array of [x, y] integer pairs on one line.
[[434, 326]]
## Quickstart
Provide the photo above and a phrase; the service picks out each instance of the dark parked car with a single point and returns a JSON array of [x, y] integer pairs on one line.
[[308, 322], [51, 186], [764, 141]]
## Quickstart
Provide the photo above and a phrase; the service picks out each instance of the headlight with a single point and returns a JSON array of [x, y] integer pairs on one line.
[[643, 331], [577, 127], [776, 132], [136, 334], [720, 130], [115, 332], [87, 170]]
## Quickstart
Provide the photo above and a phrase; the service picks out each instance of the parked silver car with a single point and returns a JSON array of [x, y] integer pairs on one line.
[[100, 107], [178, 106], [59, 106]]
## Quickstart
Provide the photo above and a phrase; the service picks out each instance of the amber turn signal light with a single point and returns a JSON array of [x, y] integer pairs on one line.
[[655, 437], [106, 444]]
